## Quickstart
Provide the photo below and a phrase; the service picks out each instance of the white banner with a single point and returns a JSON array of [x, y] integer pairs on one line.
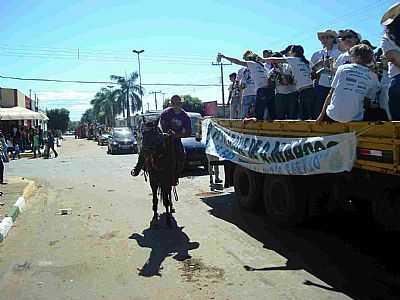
[[284, 156]]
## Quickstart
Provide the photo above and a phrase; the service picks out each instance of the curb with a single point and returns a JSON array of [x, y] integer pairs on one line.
[[16, 209]]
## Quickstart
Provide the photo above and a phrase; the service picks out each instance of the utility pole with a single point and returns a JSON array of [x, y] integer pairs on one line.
[[222, 83], [148, 106], [128, 110], [163, 98], [138, 52], [155, 96], [35, 103]]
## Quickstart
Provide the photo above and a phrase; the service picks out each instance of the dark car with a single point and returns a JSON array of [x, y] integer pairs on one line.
[[103, 139], [195, 150], [122, 141]]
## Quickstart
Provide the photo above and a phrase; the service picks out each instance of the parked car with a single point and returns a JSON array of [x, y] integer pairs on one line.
[[69, 132], [195, 149], [103, 139], [122, 141]]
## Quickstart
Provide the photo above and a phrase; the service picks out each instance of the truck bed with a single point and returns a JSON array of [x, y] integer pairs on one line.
[[378, 143]]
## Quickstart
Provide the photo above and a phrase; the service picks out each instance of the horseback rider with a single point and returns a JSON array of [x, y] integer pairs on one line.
[[175, 122]]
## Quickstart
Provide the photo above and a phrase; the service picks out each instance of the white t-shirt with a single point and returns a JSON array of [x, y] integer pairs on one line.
[[352, 83], [343, 59], [244, 77], [325, 78], [259, 74], [285, 89], [384, 93], [301, 72], [389, 45]]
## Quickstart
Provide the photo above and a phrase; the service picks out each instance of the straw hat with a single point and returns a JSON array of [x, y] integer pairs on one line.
[[328, 32], [391, 14]]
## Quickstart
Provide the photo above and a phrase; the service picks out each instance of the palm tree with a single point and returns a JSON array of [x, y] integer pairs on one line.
[[134, 91], [106, 106]]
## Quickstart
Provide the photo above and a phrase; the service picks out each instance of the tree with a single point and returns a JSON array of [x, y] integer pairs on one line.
[[189, 104], [73, 125], [88, 116], [134, 91], [106, 106], [58, 119]]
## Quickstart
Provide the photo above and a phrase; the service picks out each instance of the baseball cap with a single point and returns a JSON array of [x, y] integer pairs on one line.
[[349, 33], [368, 43]]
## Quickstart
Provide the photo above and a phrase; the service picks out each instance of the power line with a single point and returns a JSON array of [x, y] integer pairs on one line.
[[104, 82]]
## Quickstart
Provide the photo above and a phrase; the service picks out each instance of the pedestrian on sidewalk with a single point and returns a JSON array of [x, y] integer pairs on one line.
[[4, 146], [36, 144], [1, 163], [213, 170], [50, 144], [17, 152]]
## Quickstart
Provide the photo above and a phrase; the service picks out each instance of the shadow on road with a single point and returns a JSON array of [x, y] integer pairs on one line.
[[345, 252], [192, 172], [163, 242]]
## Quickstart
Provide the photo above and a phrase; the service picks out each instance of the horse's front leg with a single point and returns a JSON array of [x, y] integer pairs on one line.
[[154, 189]]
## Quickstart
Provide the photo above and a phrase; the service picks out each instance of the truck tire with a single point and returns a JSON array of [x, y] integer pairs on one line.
[[247, 187], [284, 199], [386, 209]]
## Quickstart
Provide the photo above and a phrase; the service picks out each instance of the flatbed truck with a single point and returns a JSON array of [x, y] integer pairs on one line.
[[373, 184]]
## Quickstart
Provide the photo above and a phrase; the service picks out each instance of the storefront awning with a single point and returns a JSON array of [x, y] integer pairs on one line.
[[20, 113]]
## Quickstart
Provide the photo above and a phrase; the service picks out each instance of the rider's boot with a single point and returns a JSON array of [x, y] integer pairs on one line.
[[139, 165]]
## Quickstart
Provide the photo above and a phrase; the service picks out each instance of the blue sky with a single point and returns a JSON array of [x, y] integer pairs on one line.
[[40, 38]]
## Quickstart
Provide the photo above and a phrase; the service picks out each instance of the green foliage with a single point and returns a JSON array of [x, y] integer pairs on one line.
[[58, 119], [111, 101], [190, 104], [88, 116], [73, 125], [135, 91]]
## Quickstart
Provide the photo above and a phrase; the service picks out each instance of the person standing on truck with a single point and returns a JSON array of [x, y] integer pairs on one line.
[[302, 76], [353, 85], [265, 92], [286, 96], [234, 97], [347, 38], [391, 50], [321, 65]]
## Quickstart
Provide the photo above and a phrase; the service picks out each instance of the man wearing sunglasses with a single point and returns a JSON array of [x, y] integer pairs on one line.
[[347, 38]]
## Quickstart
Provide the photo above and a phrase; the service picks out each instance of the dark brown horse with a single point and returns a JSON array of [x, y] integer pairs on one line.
[[159, 157]]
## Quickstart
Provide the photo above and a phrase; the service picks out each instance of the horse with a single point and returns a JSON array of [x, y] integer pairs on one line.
[[159, 163]]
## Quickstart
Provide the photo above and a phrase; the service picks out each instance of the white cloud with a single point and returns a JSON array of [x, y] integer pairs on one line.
[[78, 107]]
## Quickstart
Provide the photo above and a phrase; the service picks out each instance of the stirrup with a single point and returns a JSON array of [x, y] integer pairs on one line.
[[135, 172]]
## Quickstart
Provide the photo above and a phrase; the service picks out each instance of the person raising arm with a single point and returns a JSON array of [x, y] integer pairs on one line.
[[265, 92], [302, 76]]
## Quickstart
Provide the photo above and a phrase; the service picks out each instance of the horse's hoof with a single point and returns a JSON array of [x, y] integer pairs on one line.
[[172, 210], [154, 223]]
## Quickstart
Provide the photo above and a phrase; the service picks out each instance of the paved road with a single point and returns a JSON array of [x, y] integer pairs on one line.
[[98, 250]]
